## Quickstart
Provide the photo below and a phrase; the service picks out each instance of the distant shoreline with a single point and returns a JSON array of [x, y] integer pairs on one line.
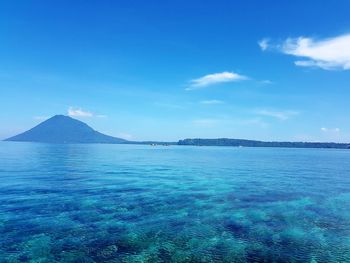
[[218, 143], [254, 143]]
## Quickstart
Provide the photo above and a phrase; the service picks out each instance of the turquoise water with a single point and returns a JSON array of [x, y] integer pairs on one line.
[[129, 203]]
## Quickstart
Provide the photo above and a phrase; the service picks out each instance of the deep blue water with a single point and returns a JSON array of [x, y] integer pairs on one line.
[[129, 203]]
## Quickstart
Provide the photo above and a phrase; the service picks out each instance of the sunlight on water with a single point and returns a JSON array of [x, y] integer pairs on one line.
[[129, 203]]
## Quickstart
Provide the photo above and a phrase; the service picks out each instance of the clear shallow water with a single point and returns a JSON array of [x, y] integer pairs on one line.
[[129, 203]]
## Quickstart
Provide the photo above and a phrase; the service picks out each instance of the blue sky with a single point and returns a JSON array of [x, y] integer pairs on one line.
[[167, 70]]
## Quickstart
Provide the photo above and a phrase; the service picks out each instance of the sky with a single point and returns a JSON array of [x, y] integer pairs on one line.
[[169, 70]]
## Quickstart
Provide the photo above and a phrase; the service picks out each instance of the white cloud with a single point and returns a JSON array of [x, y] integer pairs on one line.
[[264, 44], [333, 134], [329, 54], [211, 102], [215, 78], [281, 115], [334, 130], [78, 112]]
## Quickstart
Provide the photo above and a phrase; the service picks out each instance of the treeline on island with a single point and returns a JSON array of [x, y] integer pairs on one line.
[[253, 143]]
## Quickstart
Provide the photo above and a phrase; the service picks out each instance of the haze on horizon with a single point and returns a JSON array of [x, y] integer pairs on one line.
[[168, 70]]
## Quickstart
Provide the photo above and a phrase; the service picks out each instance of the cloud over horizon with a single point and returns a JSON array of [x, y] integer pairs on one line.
[[215, 78], [324, 129], [79, 112], [280, 115], [211, 102], [328, 54]]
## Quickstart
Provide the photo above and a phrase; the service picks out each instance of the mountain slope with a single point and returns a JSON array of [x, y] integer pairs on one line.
[[64, 129]]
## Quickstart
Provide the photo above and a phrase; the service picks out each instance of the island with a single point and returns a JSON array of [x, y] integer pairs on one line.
[[64, 129]]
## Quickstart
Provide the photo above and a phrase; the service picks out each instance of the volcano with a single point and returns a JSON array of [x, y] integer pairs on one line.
[[64, 129]]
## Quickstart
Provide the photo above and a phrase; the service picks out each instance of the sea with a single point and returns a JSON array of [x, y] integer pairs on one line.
[[141, 203]]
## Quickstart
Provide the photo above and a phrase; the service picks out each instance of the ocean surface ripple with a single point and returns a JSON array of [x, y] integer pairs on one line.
[[136, 203]]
